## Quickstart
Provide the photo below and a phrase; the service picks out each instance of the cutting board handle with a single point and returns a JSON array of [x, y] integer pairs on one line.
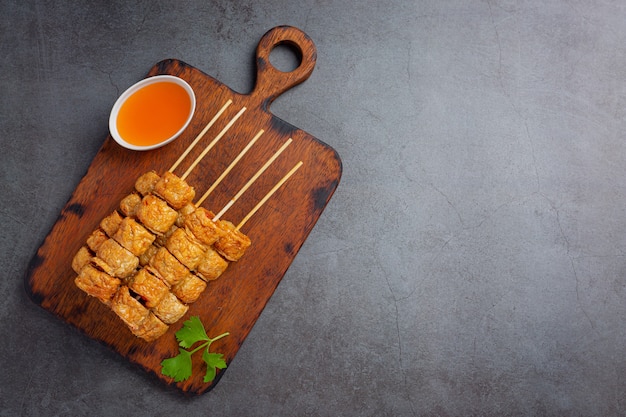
[[271, 82]]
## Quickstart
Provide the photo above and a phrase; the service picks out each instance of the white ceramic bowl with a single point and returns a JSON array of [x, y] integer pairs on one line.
[[134, 88]]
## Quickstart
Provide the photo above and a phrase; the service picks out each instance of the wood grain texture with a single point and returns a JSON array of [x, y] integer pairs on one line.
[[234, 302]]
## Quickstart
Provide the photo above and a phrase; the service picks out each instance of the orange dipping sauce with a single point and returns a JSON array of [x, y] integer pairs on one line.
[[153, 113]]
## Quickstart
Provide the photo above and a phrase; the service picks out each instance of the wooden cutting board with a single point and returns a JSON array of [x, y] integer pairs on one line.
[[234, 302]]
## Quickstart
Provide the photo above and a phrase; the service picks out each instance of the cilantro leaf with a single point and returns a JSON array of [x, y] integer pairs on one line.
[[213, 361], [192, 332], [178, 367]]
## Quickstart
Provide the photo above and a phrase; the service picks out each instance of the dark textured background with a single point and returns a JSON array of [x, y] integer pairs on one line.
[[472, 261]]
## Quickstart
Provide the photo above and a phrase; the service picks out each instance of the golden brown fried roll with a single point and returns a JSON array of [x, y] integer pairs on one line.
[[168, 267], [184, 212], [95, 239], [189, 289], [148, 286], [233, 244], [188, 251], [174, 190], [151, 329], [130, 204], [82, 258], [133, 236], [156, 215], [145, 183], [122, 263], [211, 266], [162, 240], [129, 309], [110, 223], [145, 257], [201, 225], [102, 266], [97, 283], [170, 309]]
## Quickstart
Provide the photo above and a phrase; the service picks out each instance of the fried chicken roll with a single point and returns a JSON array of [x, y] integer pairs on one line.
[[168, 267], [111, 223], [148, 286], [156, 254], [81, 258], [141, 322], [133, 236], [174, 190], [97, 283], [189, 289], [183, 213], [95, 239], [185, 248], [130, 204], [155, 214], [211, 266], [121, 261], [151, 329], [170, 309], [232, 244], [145, 257], [201, 225], [146, 182]]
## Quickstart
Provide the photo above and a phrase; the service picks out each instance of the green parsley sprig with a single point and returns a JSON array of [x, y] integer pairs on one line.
[[179, 367]]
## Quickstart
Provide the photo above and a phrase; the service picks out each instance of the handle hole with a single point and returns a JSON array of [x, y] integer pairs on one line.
[[286, 57]]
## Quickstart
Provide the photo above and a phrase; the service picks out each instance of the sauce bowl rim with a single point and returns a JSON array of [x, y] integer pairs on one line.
[[136, 87]]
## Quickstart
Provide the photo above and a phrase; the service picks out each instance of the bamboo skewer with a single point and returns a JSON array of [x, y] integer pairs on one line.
[[230, 167], [210, 145], [200, 135], [252, 180], [268, 195]]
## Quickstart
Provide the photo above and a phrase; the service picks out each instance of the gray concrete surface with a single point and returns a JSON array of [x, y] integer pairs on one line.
[[472, 261]]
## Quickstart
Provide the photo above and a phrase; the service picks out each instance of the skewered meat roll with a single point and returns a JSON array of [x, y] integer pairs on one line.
[[185, 248], [183, 213], [133, 236], [97, 283], [110, 223], [232, 244], [170, 309], [156, 214], [211, 266], [174, 190], [101, 265], [95, 239], [129, 309], [138, 318], [189, 289], [151, 329], [82, 258], [200, 223], [168, 267], [146, 182], [148, 286], [130, 204], [144, 258], [162, 240], [179, 247], [122, 263]]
